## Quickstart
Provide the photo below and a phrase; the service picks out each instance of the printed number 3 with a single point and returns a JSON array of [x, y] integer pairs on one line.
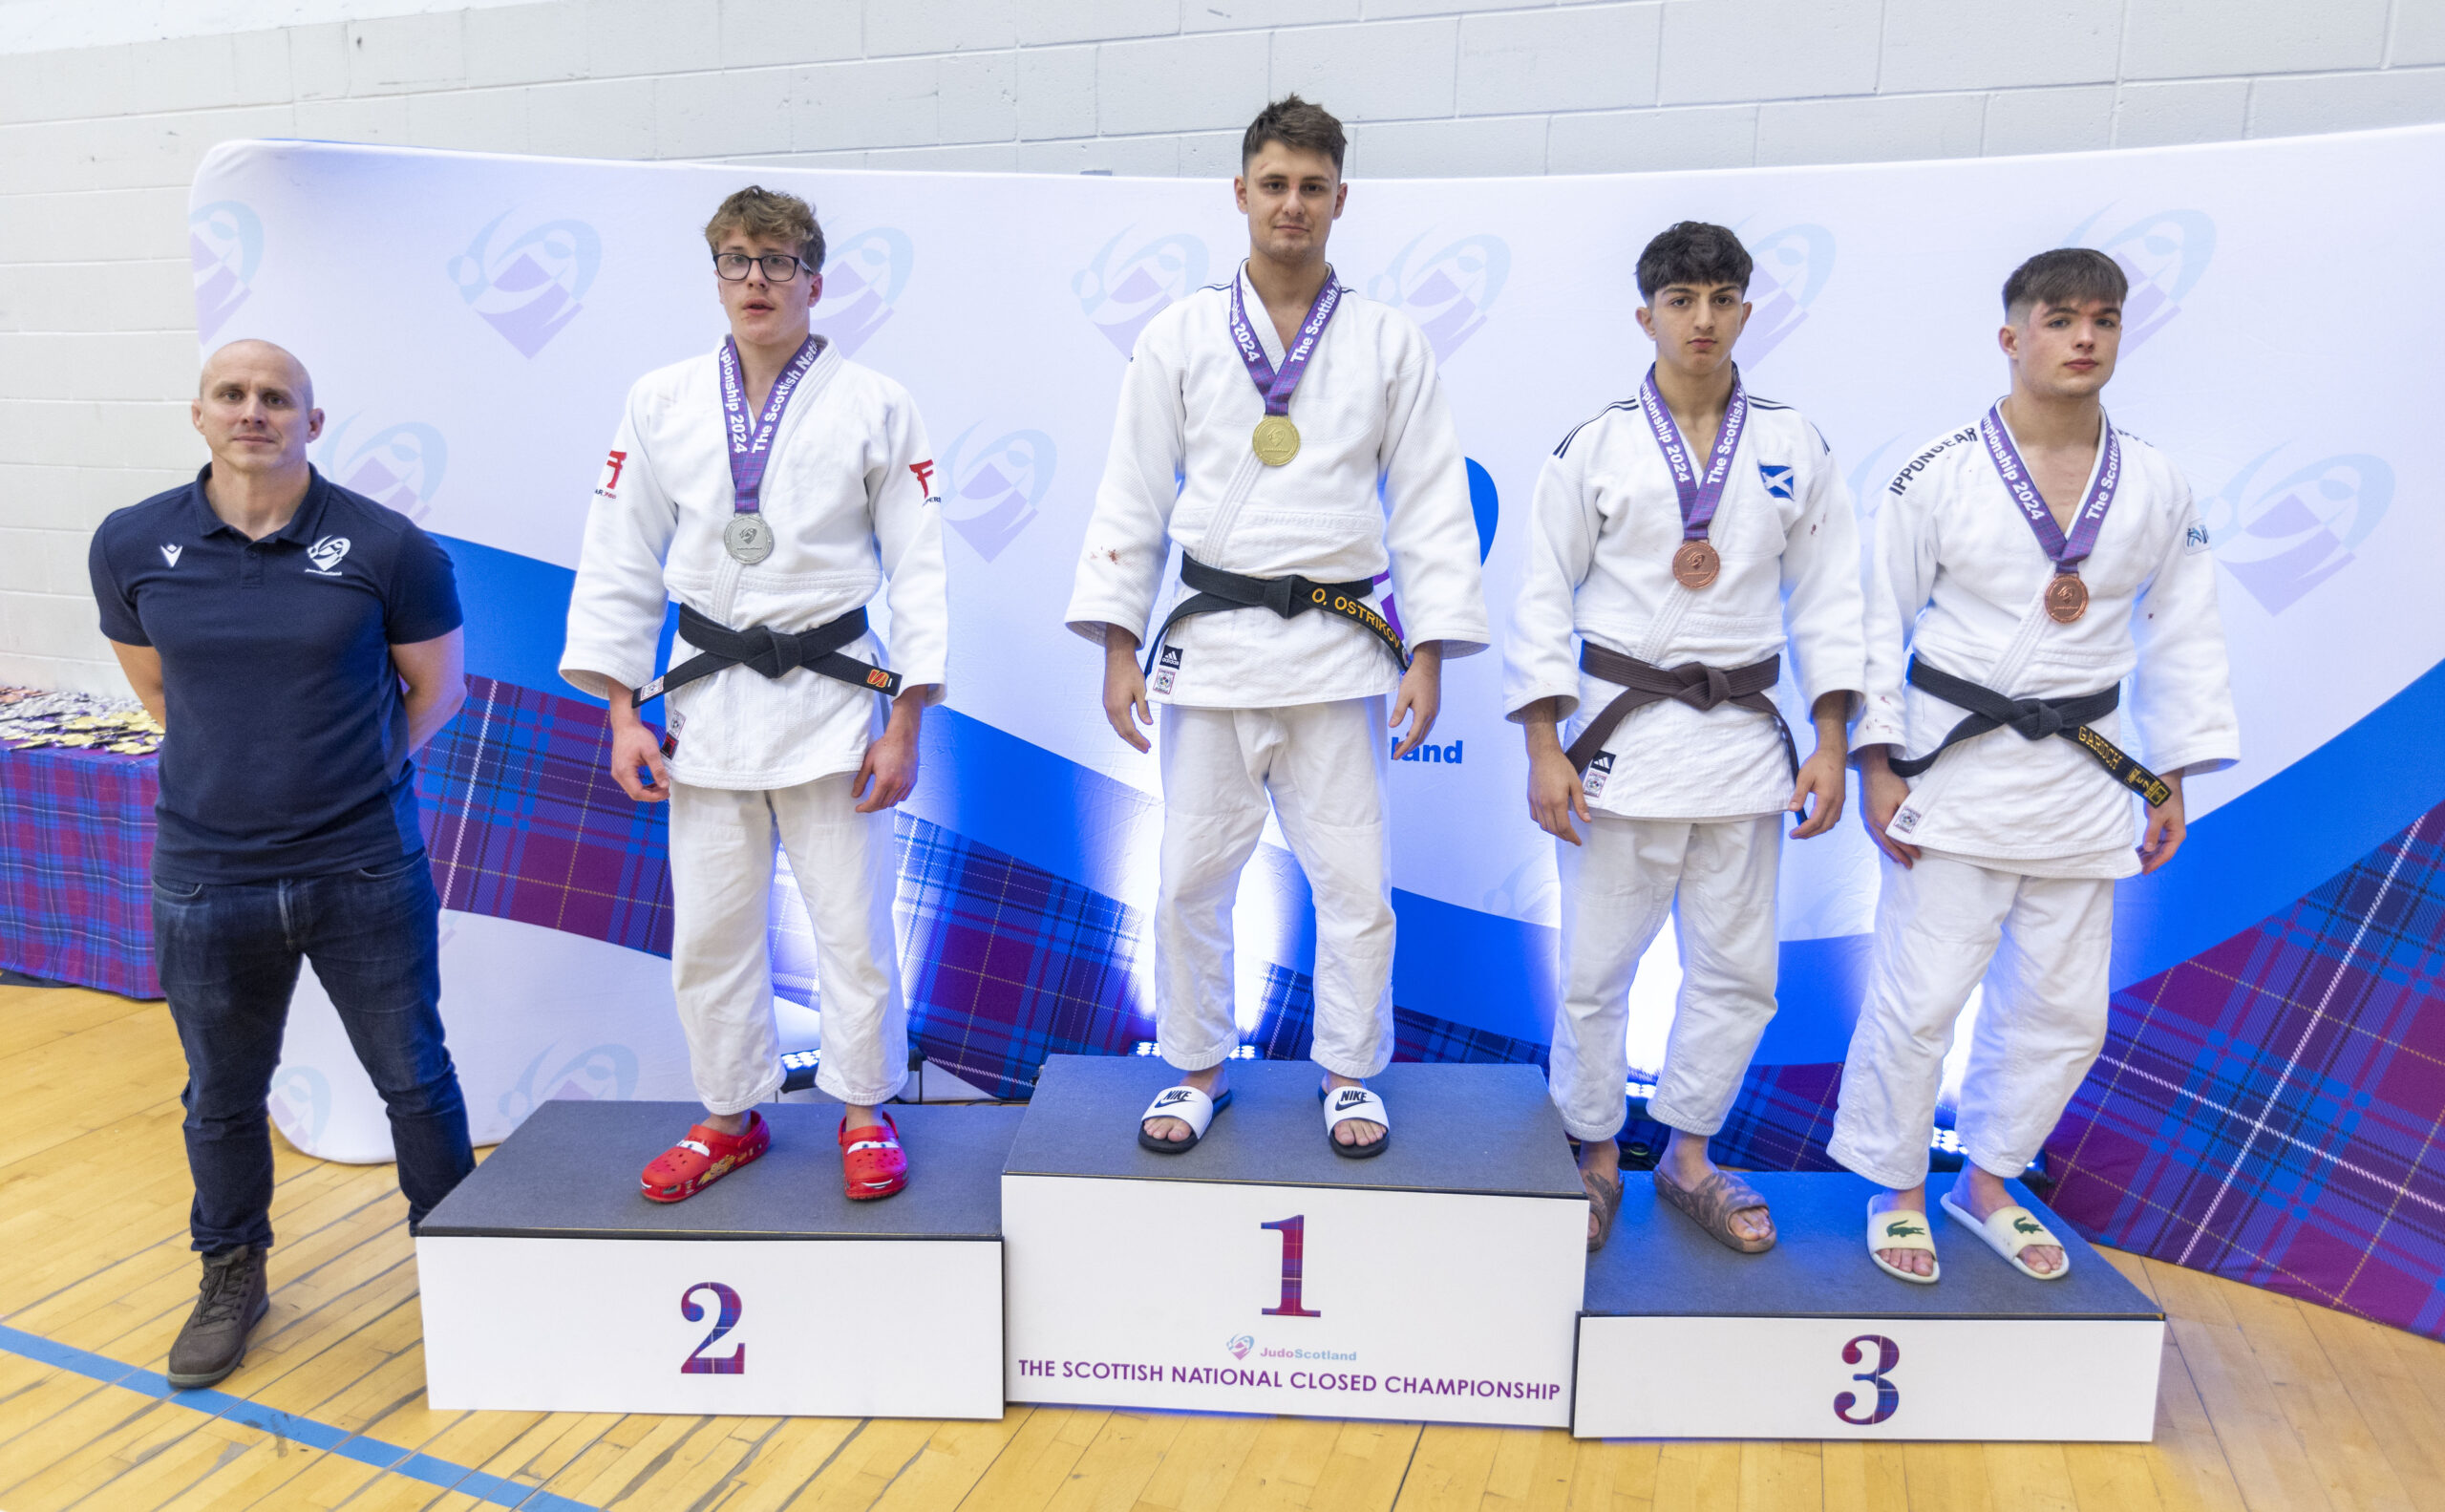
[[699, 1363], [1888, 1397]]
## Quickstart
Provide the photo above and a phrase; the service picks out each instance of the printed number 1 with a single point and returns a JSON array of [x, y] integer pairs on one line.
[[1294, 1248], [1888, 1397], [700, 1363]]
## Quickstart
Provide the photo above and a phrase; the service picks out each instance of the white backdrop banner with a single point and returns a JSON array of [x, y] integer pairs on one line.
[[472, 324]]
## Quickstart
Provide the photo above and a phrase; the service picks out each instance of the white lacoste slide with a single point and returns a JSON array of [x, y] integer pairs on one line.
[[2009, 1231], [1345, 1103], [1900, 1229], [1191, 1107]]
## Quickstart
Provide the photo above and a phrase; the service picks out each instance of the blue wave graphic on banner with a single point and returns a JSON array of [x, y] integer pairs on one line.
[[2248, 859]]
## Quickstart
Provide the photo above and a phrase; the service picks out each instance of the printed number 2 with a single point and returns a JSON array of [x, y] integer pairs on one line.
[[699, 1363], [1294, 1248], [1888, 1397]]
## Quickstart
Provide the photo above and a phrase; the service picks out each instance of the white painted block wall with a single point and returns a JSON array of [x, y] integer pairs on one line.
[[100, 134]]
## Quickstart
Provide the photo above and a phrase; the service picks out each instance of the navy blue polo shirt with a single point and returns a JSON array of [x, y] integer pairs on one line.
[[286, 746]]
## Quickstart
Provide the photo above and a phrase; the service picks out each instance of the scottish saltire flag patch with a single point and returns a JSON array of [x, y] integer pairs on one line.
[[1777, 479]]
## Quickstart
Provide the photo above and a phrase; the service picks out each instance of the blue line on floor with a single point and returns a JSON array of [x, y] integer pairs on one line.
[[385, 1456]]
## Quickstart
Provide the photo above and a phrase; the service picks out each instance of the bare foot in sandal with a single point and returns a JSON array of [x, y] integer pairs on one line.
[[1686, 1162], [1982, 1192], [1211, 1082], [1355, 1132], [1918, 1261], [1599, 1164]]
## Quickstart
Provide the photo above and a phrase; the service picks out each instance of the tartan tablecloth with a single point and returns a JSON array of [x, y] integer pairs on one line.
[[77, 869]]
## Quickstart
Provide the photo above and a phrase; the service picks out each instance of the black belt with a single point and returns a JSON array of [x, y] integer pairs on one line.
[[1700, 687], [1217, 590], [2032, 719], [770, 652]]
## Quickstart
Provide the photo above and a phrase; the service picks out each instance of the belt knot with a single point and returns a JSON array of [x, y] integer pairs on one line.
[[1702, 687], [2035, 721]]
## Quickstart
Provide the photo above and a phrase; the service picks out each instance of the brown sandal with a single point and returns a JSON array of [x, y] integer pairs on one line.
[[1712, 1205], [1604, 1201]]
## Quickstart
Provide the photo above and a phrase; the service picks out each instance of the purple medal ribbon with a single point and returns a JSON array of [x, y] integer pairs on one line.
[[751, 449], [2067, 554], [1277, 387], [1699, 496]]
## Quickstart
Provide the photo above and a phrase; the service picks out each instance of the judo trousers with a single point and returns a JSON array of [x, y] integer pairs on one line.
[[1324, 766], [721, 878], [2042, 946], [1618, 888]]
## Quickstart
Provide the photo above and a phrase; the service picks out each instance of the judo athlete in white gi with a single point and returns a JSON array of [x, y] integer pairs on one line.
[[771, 487], [1681, 542], [1257, 422], [2025, 565]]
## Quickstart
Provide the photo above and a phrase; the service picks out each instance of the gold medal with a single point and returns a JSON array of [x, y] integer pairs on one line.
[[1276, 440], [1695, 565], [2067, 598]]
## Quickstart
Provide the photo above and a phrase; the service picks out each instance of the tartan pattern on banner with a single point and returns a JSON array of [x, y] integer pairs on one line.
[[1007, 963], [1782, 1119], [524, 820], [1287, 1030], [77, 867], [2269, 1110]]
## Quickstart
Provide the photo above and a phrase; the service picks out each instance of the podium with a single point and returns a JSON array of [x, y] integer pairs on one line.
[[1682, 1338], [551, 1285], [1261, 1274]]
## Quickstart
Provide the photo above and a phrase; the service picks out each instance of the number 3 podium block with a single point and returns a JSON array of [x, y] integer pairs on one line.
[[1261, 1274], [1682, 1338], [550, 1284]]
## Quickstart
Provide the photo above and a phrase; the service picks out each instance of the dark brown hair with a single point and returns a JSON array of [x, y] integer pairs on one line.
[[2067, 277], [1693, 252], [1297, 125], [762, 213]]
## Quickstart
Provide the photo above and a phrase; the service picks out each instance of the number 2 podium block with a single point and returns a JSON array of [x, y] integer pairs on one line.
[[551, 1285], [1682, 1338], [1261, 1274]]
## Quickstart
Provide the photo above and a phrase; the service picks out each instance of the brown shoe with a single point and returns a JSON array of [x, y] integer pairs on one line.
[[233, 1299]]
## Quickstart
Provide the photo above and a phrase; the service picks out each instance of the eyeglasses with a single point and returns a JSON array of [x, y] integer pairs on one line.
[[779, 267]]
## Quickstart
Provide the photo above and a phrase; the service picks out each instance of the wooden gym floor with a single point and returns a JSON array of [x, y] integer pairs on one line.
[[2266, 1404]]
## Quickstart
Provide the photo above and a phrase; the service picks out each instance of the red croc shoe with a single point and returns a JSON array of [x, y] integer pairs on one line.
[[874, 1166], [705, 1156]]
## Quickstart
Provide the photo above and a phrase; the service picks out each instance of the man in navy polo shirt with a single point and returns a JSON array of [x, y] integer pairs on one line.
[[298, 643]]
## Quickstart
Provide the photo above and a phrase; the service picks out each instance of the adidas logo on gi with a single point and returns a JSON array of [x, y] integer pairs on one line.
[[1598, 769], [1167, 669]]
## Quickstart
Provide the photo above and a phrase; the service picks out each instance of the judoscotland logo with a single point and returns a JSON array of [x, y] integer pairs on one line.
[[864, 275], [1120, 293], [225, 246], [2281, 540], [1241, 1346], [1448, 291], [398, 465], [1792, 265], [528, 284], [989, 494], [2164, 255], [603, 1073]]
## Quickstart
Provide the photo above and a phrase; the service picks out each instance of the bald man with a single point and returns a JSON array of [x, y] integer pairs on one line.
[[299, 644]]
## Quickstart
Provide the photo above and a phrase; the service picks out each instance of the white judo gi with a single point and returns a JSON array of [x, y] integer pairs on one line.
[[2021, 841], [1691, 803], [846, 494], [1260, 705]]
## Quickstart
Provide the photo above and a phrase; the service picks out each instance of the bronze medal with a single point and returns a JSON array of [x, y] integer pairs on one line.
[[2067, 598], [1695, 565], [1276, 440]]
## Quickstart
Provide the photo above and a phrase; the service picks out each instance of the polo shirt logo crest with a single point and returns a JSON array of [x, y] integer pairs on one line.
[[325, 555], [170, 553]]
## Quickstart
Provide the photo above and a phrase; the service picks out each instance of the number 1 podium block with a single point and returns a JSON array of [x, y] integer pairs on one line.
[[1682, 1338], [1261, 1274], [551, 1285]]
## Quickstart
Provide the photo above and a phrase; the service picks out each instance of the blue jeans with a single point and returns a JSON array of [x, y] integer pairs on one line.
[[228, 956]]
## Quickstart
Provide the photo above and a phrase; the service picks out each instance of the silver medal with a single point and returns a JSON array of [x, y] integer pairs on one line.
[[747, 539]]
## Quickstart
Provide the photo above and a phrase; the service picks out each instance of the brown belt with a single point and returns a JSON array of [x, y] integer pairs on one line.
[[1700, 687]]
